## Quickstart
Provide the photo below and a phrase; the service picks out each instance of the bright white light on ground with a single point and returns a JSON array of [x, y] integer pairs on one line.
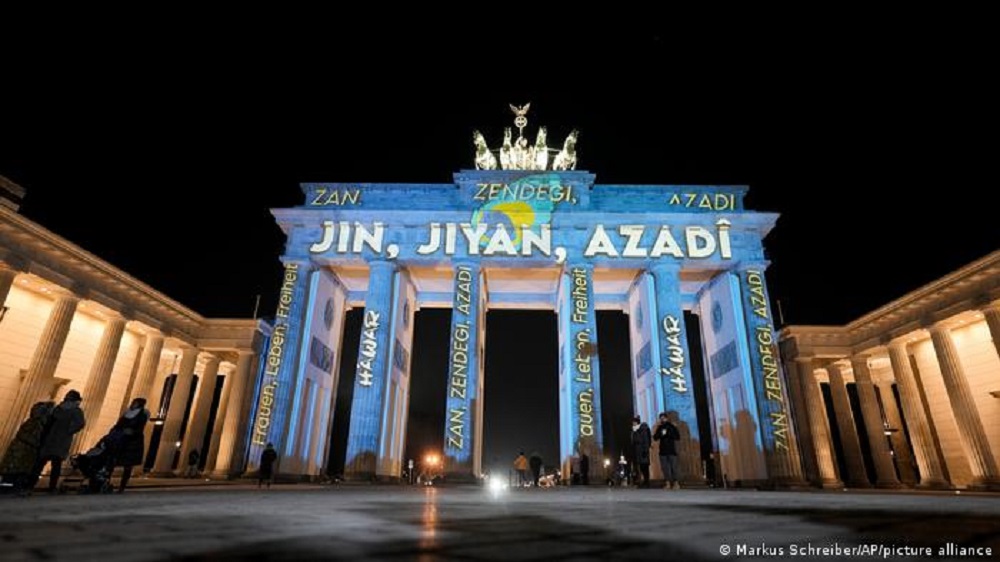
[[496, 486]]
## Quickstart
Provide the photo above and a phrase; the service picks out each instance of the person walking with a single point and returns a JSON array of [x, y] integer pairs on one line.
[[267, 460], [535, 461], [131, 427], [64, 422], [584, 469], [521, 467], [668, 435], [641, 441], [22, 453]]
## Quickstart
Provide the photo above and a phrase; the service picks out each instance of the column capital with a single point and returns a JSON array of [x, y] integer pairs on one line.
[[749, 264], [209, 357], [939, 327], [63, 293], [114, 315], [864, 355], [243, 352], [297, 260], [990, 306], [902, 342], [835, 362], [861, 368], [578, 265], [806, 362], [806, 367], [671, 266], [151, 333], [382, 263]]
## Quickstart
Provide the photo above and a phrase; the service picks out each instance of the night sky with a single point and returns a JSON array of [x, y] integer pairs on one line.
[[163, 154]]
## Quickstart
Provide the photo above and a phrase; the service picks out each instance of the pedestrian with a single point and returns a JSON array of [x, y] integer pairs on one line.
[[584, 469], [192, 467], [267, 460], [131, 426], [22, 453], [521, 467], [64, 422], [535, 461], [641, 441], [668, 435]]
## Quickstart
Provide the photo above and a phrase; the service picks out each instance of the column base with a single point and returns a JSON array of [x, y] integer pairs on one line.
[[985, 485], [360, 477], [788, 484], [889, 484], [937, 484], [460, 478], [830, 484]]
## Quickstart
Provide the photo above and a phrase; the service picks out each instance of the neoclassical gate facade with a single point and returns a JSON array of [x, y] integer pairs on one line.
[[525, 230]]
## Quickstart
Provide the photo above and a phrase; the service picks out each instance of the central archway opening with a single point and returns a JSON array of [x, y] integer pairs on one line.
[[521, 403], [428, 386]]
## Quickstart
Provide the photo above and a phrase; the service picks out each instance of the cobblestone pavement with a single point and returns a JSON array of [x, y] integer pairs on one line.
[[400, 523]]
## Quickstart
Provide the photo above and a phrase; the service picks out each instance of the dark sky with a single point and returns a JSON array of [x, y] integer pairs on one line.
[[162, 151], [165, 162]]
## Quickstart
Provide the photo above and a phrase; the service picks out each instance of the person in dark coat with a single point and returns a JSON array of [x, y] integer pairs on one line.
[[22, 453], [535, 462], [641, 441], [267, 460], [64, 422], [192, 467], [668, 435], [584, 469], [131, 445]]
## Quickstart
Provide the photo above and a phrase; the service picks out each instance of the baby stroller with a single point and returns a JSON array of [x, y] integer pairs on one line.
[[96, 465]]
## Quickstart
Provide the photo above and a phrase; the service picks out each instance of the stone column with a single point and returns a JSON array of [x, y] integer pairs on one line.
[[992, 314], [233, 419], [798, 380], [904, 461], [97, 381], [784, 466], [856, 476], [37, 383], [963, 406], [195, 434], [287, 346], [819, 425], [148, 364], [462, 400], [372, 372], [580, 386], [175, 414], [931, 473], [674, 369], [885, 470], [220, 414]]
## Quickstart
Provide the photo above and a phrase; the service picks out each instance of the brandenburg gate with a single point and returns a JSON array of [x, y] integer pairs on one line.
[[524, 230]]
